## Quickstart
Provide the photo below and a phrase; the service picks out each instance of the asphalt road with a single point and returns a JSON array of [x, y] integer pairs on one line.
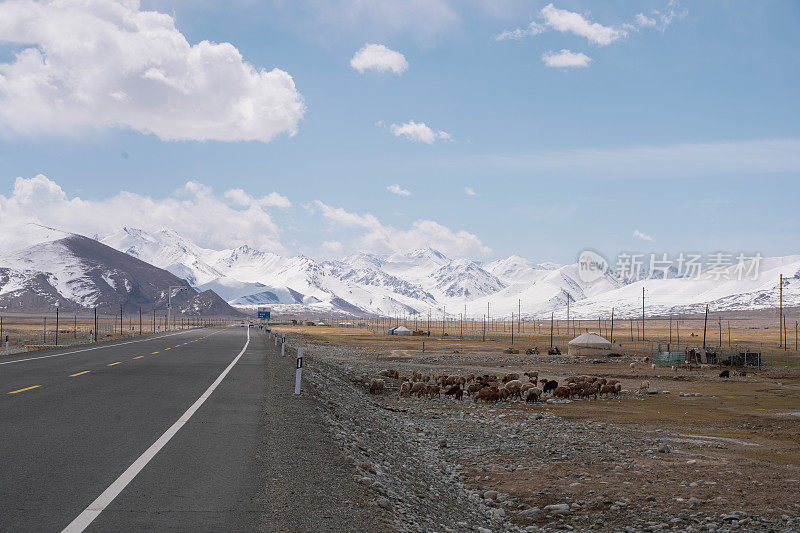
[[184, 432]]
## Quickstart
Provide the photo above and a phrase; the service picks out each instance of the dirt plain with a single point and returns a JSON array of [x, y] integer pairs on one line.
[[703, 453]]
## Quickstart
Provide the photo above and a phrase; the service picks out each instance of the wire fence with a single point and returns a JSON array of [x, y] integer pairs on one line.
[[22, 333]]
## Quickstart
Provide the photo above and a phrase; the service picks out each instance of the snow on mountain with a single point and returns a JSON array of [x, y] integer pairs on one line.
[[516, 269], [165, 249], [77, 273], [426, 280]]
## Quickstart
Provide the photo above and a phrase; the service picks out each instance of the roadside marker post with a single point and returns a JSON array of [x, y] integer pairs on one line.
[[283, 348], [299, 371], [276, 340]]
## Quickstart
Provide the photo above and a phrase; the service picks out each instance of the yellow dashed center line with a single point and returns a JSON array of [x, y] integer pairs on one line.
[[139, 357], [165, 349], [79, 373], [23, 390], [112, 364], [154, 353]]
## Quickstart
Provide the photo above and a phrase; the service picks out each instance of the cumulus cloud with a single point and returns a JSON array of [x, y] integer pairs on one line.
[[194, 210], [379, 238], [108, 64], [419, 132], [399, 191], [332, 247], [569, 21], [566, 59], [379, 57], [643, 236], [273, 199], [643, 21], [469, 191]]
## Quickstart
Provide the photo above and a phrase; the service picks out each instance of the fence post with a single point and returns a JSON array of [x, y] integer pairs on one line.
[[299, 371]]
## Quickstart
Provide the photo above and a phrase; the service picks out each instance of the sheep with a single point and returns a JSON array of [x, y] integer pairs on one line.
[[456, 391], [473, 388], [533, 395], [608, 389], [550, 385], [532, 376], [433, 390], [725, 374], [504, 392], [617, 387], [591, 390], [526, 386], [470, 378], [510, 377], [488, 394], [612, 382], [405, 388], [645, 385], [653, 366], [390, 374], [562, 392], [513, 387], [633, 367], [376, 386], [418, 388]]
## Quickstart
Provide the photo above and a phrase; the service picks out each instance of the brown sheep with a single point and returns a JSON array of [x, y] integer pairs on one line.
[[510, 377], [562, 392], [532, 376], [376, 386], [488, 394], [455, 390], [472, 388], [504, 393], [418, 389], [470, 378], [405, 388], [433, 390], [605, 390], [394, 374], [526, 386]]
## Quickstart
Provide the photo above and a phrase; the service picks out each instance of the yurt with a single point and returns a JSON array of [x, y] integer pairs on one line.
[[589, 344], [400, 330]]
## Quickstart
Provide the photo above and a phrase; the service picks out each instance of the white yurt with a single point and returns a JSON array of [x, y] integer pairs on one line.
[[400, 330], [589, 344]]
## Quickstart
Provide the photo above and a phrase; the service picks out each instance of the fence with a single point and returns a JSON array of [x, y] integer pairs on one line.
[[24, 332]]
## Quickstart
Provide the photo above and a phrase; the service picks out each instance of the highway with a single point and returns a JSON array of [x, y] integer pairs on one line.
[[74, 421]]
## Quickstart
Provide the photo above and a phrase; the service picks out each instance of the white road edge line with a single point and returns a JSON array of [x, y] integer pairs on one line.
[[95, 348], [83, 520]]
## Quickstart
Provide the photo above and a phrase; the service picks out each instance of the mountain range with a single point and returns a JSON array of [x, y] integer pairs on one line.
[[426, 281], [77, 273]]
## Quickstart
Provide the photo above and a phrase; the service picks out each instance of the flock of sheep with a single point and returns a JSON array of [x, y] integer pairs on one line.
[[493, 388]]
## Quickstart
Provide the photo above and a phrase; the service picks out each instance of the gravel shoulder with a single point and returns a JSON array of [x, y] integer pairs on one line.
[[309, 484]]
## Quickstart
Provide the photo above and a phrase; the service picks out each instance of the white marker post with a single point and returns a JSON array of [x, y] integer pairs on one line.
[[283, 348], [299, 371], [276, 340]]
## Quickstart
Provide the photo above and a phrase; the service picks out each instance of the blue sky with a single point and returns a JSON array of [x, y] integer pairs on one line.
[[687, 132]]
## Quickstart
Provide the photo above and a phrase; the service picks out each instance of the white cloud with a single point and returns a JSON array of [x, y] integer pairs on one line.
[[643, 236], [193, 210], [273, 199], [469, 191], [379, 57], [399, 191], [332, 247], [569, 21], [643, 21], [565, 59], [419, 132], [379, 238], [534, 28], [107, 64]]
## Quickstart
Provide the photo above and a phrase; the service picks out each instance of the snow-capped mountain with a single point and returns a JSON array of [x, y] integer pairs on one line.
[[77, 273], [426, 280]]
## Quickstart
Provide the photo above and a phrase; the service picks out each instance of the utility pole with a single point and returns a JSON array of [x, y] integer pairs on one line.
[[612, 326], [551, 330], [720, 331], [56, 324], [140, 320], [780, 312], [512, 328], [642, 313], [519, 316], [670, 330], [95, 324], [484, 328], [705, 326], [120, 319]]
